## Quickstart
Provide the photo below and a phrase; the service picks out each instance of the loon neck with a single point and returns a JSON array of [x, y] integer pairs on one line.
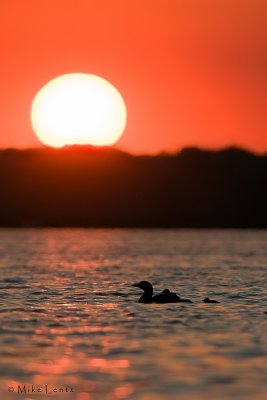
[[148, 292], [145, 298]]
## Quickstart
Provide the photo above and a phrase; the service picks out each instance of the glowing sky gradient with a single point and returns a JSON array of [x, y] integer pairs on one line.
[[191, 72]]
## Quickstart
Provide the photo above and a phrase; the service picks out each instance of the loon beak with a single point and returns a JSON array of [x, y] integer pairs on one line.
[[135, 284]]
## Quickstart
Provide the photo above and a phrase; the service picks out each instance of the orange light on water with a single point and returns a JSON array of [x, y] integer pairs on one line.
[[105, 364], [83, 396], [123, 391]]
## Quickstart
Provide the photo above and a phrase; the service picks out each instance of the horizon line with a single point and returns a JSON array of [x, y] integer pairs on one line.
[[165, 152]]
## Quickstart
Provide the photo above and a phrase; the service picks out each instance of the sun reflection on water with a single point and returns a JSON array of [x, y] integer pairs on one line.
[[69, 316]]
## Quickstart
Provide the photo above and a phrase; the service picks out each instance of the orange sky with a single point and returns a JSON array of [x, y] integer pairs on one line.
[[191, 72]]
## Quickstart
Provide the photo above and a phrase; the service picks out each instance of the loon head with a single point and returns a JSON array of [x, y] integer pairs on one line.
[[145, 286]]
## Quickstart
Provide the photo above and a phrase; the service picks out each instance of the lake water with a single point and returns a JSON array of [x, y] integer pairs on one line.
[[71, 325]]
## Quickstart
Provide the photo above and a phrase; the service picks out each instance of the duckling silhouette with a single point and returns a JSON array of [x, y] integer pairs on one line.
[[166, 291], [179, 299], [208, 300], [165, 297]]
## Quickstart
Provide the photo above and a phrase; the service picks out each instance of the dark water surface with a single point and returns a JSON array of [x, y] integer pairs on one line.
[[70, 319]]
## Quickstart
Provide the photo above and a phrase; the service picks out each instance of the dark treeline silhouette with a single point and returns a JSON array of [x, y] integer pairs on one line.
[[84, 186]]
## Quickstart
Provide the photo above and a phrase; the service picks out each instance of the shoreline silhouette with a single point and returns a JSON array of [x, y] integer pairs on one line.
[[83, 186]]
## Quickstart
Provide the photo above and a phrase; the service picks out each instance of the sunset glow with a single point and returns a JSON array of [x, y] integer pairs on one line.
[[192, 73], [78, 109]]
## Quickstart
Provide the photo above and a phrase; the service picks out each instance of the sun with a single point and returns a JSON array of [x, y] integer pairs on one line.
[[79, 109]]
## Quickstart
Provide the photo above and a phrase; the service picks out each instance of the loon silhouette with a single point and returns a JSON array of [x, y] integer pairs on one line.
[[208, 300], [165, 297]]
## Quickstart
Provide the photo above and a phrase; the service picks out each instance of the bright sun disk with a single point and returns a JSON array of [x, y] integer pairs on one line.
[[78, 109]]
